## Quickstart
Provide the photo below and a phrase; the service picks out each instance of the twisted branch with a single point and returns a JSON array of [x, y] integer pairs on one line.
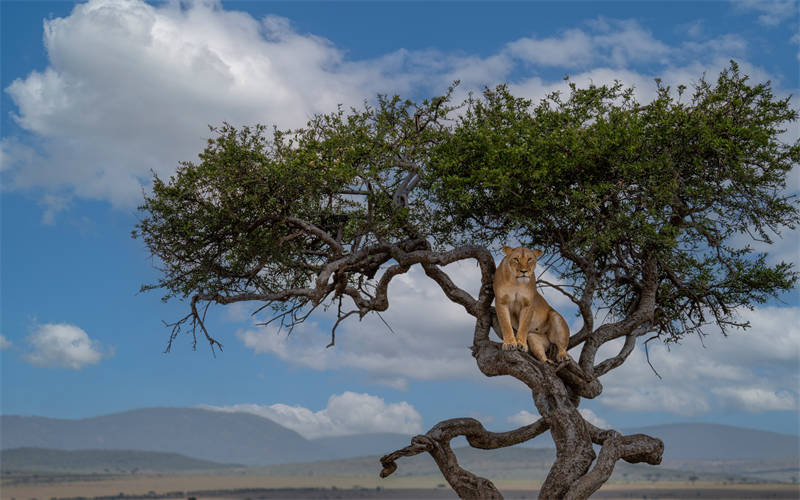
[[437, 442], [635, 448]]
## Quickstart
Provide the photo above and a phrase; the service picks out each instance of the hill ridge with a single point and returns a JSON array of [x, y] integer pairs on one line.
[[241, 437], [32, 459]]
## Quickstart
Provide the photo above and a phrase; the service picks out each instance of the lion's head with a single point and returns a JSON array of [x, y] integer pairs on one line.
[[522, 262]]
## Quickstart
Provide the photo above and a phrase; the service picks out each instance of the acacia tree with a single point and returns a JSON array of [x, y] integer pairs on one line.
[[644, 211]]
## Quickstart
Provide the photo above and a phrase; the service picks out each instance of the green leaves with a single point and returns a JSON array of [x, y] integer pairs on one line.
[[605, 184], [261, 214], [599, 176]]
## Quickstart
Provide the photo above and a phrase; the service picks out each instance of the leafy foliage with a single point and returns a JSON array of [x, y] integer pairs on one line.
[[221, 225], [619, 194], [608, 183]]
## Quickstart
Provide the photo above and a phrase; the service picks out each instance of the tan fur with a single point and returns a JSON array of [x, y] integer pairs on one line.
[[520, 307]]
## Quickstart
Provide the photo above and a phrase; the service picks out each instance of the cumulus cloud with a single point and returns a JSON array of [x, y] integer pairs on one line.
[[345, 414], [61, 345], [614, 42], [4, 343], [754, 370], [525, 417], [620, 45], [707, 59], [429, 337], [593, 418], [522, 418], [121, 72], [757, 398], [572, 49]]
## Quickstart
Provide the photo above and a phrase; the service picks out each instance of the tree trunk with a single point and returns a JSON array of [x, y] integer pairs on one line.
[[574, 452], [556, 393]]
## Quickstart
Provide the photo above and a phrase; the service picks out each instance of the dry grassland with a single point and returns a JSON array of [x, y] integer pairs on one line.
[[512, 488]]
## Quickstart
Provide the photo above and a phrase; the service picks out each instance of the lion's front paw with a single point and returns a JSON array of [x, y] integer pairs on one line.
[[509, 346], [522, 346]]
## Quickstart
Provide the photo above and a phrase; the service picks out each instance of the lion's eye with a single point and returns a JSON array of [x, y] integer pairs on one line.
[[516, 260]]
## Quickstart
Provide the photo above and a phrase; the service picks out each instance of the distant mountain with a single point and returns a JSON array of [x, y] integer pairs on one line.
[[361, 445], [700, 441], [223, 437], [252, 440], [204, 434], [101, 461]]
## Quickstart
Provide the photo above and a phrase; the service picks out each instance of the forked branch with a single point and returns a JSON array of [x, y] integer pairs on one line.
[[635, 448], [437, 442]]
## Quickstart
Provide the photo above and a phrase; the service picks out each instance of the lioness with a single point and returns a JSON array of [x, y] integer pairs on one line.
[[520, 306]]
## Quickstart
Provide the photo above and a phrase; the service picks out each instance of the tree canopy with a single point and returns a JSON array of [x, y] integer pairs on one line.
[[645, 210]]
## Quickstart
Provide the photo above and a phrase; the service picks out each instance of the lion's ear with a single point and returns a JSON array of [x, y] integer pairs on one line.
[[508, 250], [537, 253]]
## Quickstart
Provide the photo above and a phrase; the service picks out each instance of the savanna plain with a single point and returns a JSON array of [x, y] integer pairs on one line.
[[156, 453]]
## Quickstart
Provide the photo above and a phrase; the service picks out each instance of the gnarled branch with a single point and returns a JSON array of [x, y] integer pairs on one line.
[[635, 448], [437, 442]]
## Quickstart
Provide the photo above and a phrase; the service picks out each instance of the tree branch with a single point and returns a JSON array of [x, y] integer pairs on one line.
[[453, 292], [430, 260], [437, 442], [635, 448], [493, 361], [318, 232], [641, 316], [615, 361]]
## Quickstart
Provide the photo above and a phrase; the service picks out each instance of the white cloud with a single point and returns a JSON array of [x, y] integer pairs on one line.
[[627, 42], [754, 370], [61, 345], [53, 204], [536, 88], [593, 418], [730, 45], [430, 336], [694, 29], [773, 12], [4, 343], [757, 399], [345, 414], [525, 417], [522, 418], [122, 72], [691, 62], [572, 49], [608, 41], [429, 340], [654, 396]]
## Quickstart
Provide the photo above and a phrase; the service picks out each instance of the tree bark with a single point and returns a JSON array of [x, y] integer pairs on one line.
[[437, 442], [557, 391], [633, 449]]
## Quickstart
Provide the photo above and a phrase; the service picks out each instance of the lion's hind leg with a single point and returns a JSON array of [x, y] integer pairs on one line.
[[538, 344], [558, 334]]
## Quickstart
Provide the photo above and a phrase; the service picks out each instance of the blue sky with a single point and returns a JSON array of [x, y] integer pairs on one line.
[[96, 95]]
